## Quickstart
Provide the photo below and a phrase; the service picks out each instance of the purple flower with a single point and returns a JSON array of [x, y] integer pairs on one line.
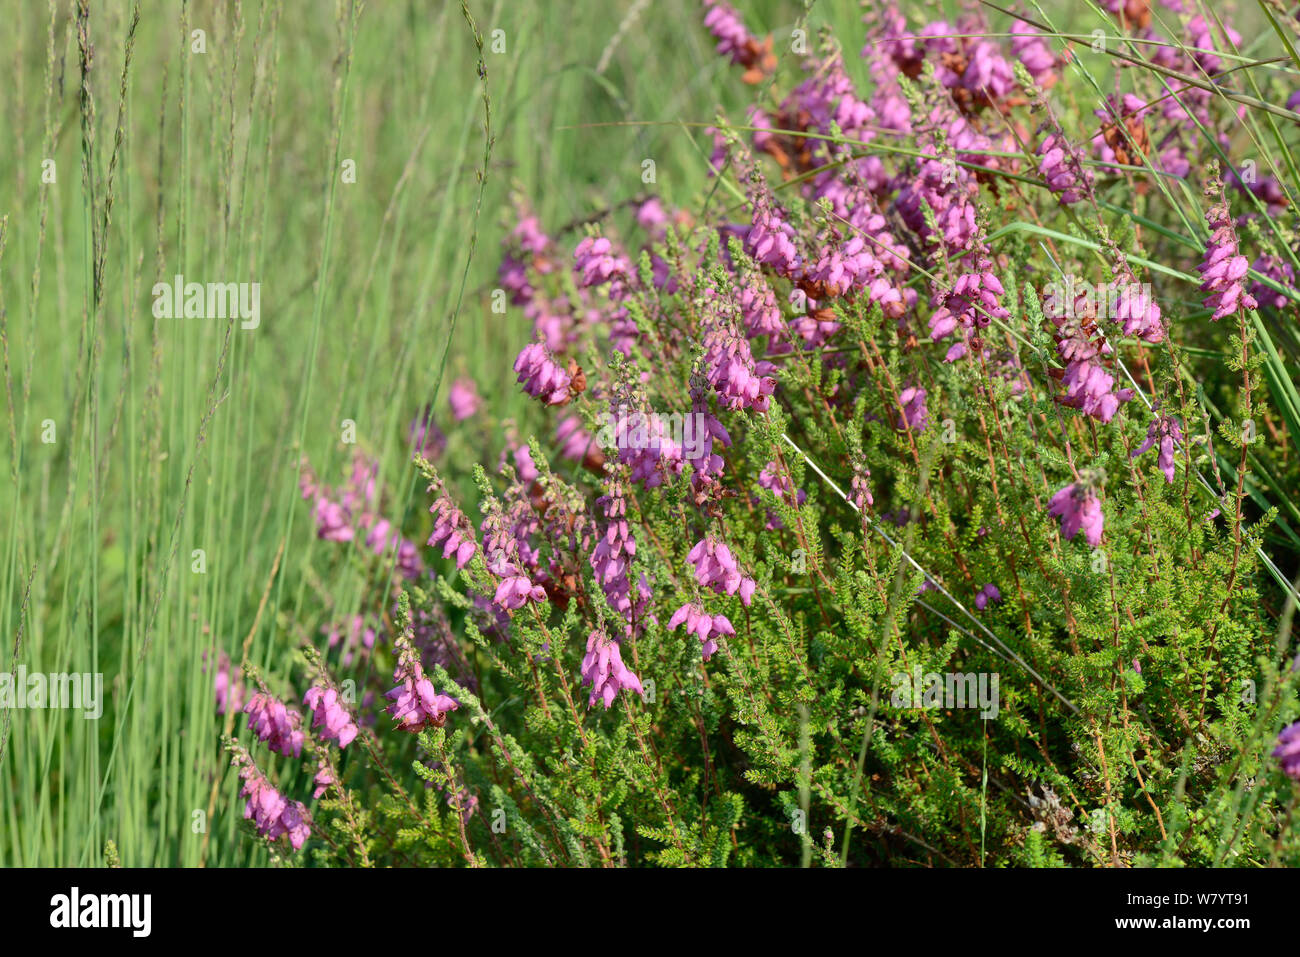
[[1288, 750], [603, 669], [780, 485], [1079, 508], [989, 593], [1165, 430], [276, 724], [330, 715], [324, 777], [770, 239], [703, 625], [596, 264], [463, 399], [451, 529], [1223, 268], [912, 402], [415, 704], [542, 377], [611, 558], [515, 588], [1281, 272], [716, 568], [229, 687], [740, 381], [271, 813], [1030, 48], [1060, 168]]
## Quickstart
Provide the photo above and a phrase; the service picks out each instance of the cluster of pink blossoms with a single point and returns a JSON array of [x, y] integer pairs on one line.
[[708, 628], [341, 513], [1166, 431], [603, 669], [1224, 268], [1079, 509], [275, 723], [451, 529], [717, 568], [415, 702], [271, 812], [541, 376], [330, 715]]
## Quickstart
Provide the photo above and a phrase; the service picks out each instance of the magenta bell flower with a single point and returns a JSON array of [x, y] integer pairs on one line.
[[541, 376], [328, 711], [1079, 509], [279, 726], [1165, 430], [1288, 750], [603, 669], [716, 568], [703, 625]]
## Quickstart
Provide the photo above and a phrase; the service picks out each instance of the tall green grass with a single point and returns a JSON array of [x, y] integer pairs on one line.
[[178, 435]]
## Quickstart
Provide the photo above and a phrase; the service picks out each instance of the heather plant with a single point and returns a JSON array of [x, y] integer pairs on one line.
[[915, 489]]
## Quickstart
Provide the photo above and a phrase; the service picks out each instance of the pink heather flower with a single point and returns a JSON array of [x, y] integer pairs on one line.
[[703, 625], [463, 399], [415, 704], [451, 529], [1135, 308], [330, 715], [229, 687], [1201, 41], [915, 416], [603, 669], [989, 593], [542, 377], [1079, 508], [651, 217], [324, 777], [1165, 430], [1281, 272], [1030, 48], [724, 23], [859, 490], [277, 725], [596, 263], [770, 239], [1089, 387], [988, 74], [515, 588], [384, 541], [737, 43], [333, 523], [740, 381], [1060, 167], [716, 568], [971, 305], [350, 634], [612, 556], [271, 813], [759, 309], [1288, 750], [780, 485], [1223, 268], [576, 443]]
